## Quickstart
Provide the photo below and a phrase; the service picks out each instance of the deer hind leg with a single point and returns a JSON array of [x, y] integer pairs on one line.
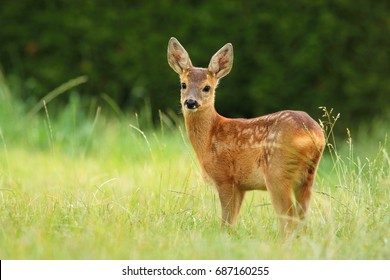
[[231, 199], [303, 191], [281, 194]]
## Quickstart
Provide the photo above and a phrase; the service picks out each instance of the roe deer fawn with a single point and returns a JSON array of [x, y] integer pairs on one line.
[[278, 152]]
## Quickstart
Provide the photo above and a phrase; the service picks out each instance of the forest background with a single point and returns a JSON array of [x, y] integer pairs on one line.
[[288, 54]]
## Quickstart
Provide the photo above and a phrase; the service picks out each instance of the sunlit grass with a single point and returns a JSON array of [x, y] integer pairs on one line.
[[89, 186]]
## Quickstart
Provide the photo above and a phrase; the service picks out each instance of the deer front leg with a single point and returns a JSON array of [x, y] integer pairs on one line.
[[231, 199]]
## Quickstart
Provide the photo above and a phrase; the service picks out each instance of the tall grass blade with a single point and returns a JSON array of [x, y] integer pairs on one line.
[[51, 138], [144, 136], [56, 92]]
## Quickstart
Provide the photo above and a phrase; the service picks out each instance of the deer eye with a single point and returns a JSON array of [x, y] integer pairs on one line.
[[206, 88], [183, 85]]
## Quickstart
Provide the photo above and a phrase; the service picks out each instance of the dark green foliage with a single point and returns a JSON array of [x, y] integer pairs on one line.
[[288, 54]]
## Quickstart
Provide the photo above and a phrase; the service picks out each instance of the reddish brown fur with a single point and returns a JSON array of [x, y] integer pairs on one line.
[[279, 152]]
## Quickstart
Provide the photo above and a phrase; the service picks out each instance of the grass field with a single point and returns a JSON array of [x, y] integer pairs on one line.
[[85, 185]]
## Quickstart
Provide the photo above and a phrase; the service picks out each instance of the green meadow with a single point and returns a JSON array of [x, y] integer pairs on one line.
[[98, 183]]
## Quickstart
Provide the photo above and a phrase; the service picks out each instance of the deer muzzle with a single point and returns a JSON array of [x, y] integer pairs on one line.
[[191, 104]]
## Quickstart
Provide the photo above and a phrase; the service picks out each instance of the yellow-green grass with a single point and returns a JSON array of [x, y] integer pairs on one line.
[[96, 187]]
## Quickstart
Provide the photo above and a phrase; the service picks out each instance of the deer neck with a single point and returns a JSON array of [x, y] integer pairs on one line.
[[199, 126]]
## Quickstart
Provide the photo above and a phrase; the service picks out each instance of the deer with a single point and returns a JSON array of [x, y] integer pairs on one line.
[[279, 152]]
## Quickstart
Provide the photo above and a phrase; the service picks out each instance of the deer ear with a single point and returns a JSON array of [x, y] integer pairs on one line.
[[178, 57], [222, 61]]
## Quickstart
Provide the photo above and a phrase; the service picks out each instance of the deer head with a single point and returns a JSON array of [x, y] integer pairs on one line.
[[198, 84]]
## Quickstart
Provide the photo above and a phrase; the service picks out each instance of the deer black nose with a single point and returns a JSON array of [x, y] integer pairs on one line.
[[191, 104]]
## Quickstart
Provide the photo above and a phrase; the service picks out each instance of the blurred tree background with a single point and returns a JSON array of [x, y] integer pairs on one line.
[[288, 54]]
